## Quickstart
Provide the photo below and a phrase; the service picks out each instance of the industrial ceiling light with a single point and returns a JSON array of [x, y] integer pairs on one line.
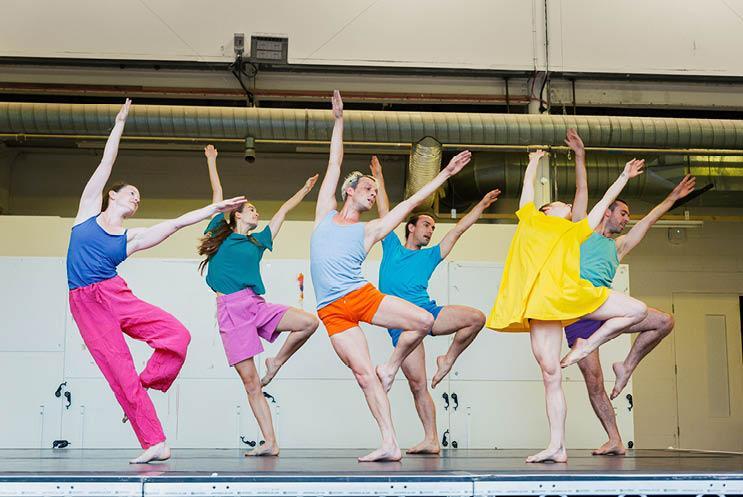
[[250, 149]]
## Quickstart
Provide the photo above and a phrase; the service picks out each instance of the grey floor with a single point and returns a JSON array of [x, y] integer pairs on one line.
[[334, 463]]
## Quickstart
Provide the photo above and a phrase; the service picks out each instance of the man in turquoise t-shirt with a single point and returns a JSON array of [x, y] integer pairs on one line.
[[600, 255], [404, 273]]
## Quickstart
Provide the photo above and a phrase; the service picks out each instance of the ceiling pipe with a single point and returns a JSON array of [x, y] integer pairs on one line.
[[424, 165]]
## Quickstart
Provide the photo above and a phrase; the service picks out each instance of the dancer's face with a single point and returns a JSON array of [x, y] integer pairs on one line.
[[559, 209], [248, 215], [422, 231], [364, 195], [125, 200], [617, 217]]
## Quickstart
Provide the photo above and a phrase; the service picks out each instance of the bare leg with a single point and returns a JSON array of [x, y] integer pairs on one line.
[[590, 366], [619, 312], [654, 328], [414, 369], [396, 313], [351, 347], [465, 323], [546, 339], [155, 453], [249, 375], [301, 326]]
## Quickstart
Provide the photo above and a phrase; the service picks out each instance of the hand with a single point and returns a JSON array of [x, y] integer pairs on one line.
[[307, 188], [634, 168], [575, 143], [376, 167], [684, 188], [537, 154], [121, 116], [458, 162], [210, 152], [489, 198], [337, 105], [230, 204]]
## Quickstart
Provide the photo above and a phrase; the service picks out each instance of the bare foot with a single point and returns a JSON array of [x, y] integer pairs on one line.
[[392, 453], [272, 367], [443, 368], [425, 447], [623, 374], [549, 455], [611, 448], [157, 452], [385, 377], [578, 352], [267, 449]]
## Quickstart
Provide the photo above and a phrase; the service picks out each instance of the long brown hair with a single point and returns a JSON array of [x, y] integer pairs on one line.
[[116, 187], [210, 243]]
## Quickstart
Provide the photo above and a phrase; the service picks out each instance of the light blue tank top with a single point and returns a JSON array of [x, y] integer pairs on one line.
[[598, 260], [336, 254]]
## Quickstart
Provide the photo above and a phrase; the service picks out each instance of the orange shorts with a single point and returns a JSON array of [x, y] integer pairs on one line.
[[349, 310]]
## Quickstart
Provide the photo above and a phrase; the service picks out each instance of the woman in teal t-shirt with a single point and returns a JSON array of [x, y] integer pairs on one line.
[[233, 249]]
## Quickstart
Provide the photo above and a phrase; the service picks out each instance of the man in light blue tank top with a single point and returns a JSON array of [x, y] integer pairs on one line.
[[405, 272], [600, 256], [338, 247]]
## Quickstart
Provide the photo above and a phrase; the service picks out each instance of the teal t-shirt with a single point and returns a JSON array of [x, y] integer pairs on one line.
[[598, 260], [237, 263], [405, 273]]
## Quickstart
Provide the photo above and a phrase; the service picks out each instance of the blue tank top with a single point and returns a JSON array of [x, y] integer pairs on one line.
[[93, 254], [336, 254], [598, 260]]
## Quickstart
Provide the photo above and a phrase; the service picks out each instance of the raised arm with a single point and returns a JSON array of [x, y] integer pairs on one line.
[[383, 202], [379, 228], [527, 191], [211, 160], [278, 219], [580, 201], [92, 197], [627, 242], [144, 238], [326, 201], [464, 224], [631, 169]]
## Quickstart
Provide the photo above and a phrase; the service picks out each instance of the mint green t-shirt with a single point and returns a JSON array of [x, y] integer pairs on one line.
[[237, 263]]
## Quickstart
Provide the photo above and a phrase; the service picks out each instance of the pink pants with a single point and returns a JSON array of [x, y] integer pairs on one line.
[[102, 311]]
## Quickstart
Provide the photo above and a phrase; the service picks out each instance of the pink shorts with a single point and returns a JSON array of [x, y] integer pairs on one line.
[[243, 317]]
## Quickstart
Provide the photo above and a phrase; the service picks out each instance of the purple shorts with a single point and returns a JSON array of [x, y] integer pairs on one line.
[[581, 329], [243, 317]]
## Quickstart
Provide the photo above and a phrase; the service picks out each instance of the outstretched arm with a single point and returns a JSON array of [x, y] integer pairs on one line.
[[144, 238], [527, 191], [580, 201], [278, 219], [92, 197], [379, 228], [383, 202], [631, 169], [464, 224], [211, 160], [627, 242], [326, 196]]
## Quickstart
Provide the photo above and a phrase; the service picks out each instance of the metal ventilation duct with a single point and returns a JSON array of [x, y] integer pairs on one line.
[[424, 165]]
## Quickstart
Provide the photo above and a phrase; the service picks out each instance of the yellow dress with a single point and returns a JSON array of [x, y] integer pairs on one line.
[[541, 279]]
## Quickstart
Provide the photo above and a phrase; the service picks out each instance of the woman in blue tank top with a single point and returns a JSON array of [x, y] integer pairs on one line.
[[233, 249], [103, 306]]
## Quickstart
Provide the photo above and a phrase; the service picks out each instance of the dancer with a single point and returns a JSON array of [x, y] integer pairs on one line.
[[541, 289], [233, 250], [405, 273], [600, 255], [339, 245], [103, 306]]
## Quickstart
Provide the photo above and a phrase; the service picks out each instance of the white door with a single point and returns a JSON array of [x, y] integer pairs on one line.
[[709, 378]]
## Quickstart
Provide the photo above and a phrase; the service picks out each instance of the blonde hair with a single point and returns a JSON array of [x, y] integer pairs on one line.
[[352, 181]]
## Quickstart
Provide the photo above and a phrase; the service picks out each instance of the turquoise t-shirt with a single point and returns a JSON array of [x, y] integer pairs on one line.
[[598, 260], [405, 273], [237, 263]]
